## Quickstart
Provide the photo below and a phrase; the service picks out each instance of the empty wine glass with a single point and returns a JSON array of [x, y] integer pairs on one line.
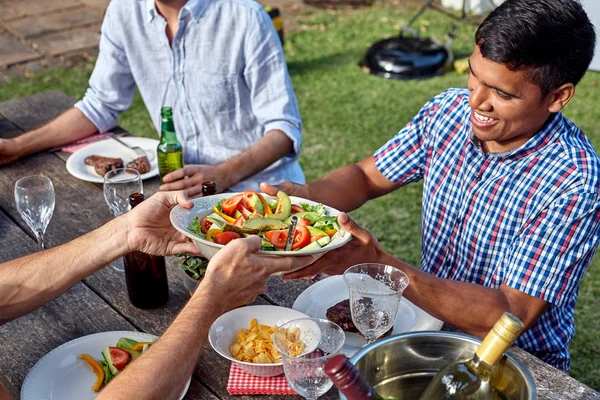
[[375, 294], [35, 200], [322, 339], [119, 184]]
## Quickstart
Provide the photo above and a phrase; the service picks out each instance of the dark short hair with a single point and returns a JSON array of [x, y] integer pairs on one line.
[[554, 38]]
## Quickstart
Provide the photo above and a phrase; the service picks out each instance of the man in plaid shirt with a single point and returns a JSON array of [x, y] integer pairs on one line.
[[511, 214]]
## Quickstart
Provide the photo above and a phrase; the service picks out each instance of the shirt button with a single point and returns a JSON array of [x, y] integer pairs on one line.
[[479, 177]]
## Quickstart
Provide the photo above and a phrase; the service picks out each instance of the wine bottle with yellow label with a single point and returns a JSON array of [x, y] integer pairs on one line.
[[470, 379], [169, 151]]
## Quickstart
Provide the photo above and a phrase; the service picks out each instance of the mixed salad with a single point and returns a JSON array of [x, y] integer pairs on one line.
[[115, 359], [249, 213]]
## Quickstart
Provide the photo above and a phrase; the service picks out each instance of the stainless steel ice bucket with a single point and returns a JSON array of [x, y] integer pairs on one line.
[[401, 366]]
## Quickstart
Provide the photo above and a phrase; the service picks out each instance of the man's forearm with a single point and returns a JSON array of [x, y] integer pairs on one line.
[[162, 371], [272, 147], [349, 187], [469, 307], [68, 127], [30, 282]]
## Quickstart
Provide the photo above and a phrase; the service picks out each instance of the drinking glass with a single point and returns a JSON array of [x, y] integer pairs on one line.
[[306, 372], [35, 200], [375, 294], [119, 184]]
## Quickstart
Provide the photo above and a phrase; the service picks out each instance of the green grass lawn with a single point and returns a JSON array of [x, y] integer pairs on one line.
[[348, 114]]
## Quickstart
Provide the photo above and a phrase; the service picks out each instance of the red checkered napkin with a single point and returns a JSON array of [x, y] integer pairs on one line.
[[242, 383], [73, 147]]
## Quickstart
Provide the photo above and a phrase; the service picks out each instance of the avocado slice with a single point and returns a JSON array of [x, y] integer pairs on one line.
[[106, 355], [264, 224], [257, 205], [284, 207], [316, 232], [309, 215]]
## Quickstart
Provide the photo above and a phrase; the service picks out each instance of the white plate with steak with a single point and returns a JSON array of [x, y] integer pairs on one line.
[[91, 162], [324, 300]]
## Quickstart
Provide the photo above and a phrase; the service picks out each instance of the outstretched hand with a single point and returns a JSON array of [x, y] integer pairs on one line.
[[238, 274], [149, 227], [289, 188], [363, 248]]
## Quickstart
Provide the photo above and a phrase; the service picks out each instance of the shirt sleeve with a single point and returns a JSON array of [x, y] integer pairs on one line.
[[111, 86], [549, 257], [402, 159], [272, 96]]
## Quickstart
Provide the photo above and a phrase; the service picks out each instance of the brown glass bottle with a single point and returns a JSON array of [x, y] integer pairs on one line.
[[348, 380], [209, 188], [146, 275]]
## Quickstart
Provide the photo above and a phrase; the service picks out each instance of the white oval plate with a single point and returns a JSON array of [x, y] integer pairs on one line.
[[316, 299], [224, 330], [60, 375], [181, 218], [111, 148]]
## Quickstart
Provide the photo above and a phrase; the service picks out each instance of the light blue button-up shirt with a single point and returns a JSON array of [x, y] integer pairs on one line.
[[224, 75]]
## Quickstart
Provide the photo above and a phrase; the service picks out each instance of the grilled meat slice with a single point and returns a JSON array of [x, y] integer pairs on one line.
[[341, 315], [103, 164], [140, 164]]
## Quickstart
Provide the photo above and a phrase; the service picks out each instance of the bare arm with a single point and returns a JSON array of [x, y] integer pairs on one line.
[[347, 188], [273, 146], [469, 307], [28, 283], [70, 126], [163, 370]]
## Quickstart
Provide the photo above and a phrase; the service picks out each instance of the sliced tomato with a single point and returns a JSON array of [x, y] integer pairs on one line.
[[245, 212], [119, 357], [296, 208], [226, 237], [303, 222], [278, 238], [231, 204], [239, 221], [205, 225]]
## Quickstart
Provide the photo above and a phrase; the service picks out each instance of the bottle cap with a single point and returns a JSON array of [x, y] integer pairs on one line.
[[135, 199], [166, 112], [336, 365], [508, 327], [209, 187]]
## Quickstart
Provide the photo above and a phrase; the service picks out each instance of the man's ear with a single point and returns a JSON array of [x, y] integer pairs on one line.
[[559, 97]]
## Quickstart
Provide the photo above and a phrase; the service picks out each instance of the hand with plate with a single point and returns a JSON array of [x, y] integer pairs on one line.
[[113, 150]]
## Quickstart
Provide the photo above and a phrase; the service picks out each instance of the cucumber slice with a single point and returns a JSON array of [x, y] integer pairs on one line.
[[324, 241]]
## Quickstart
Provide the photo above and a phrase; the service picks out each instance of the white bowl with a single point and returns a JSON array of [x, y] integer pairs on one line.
[[224, 330], [181, 218]]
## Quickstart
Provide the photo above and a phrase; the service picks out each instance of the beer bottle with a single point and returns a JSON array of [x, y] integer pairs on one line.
[[145, 275], [209, 188], [169, 151]]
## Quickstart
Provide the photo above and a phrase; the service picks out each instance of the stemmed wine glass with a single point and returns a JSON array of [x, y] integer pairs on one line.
[[375, 294], [305, 372], [119, 184], [35, 200]]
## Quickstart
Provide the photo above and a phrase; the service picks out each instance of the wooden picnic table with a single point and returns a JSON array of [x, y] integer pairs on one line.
[[100, 302]]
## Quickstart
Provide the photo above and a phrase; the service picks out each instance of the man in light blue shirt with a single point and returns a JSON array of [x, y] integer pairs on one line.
[[219, 64]]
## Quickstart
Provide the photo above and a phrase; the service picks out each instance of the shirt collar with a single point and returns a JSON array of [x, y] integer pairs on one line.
[[548, 133], [194, 7]]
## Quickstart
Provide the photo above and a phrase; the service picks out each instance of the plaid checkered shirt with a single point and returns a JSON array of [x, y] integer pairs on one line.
[[527, 218]]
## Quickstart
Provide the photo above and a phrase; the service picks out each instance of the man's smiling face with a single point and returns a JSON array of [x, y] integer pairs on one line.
[[507, 108]]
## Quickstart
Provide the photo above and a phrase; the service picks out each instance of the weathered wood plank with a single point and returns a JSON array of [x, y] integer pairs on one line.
[[31, 112]]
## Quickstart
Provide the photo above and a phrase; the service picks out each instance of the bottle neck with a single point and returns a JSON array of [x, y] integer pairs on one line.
[[348, 380], [492, 349], [167, 132], [482, 368]]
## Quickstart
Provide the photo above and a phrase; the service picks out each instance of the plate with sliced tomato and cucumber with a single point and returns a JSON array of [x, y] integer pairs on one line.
[[216, 220], [81, 368]]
